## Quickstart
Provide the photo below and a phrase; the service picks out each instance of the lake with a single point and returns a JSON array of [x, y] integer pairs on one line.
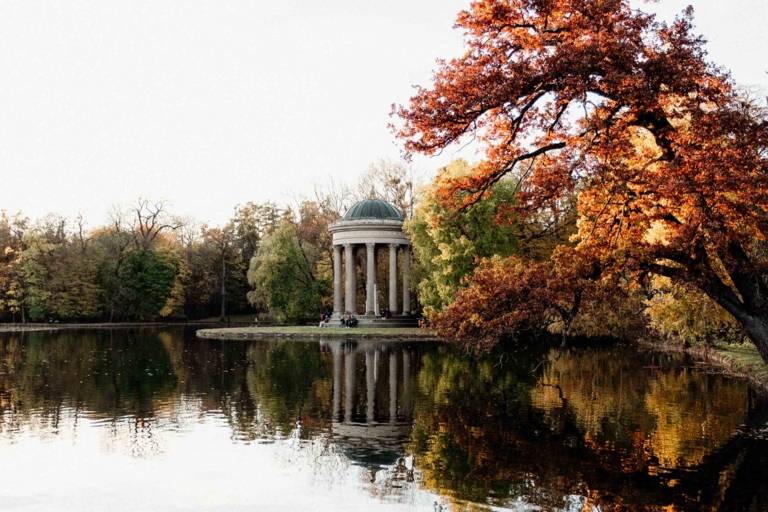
[[156, 420]]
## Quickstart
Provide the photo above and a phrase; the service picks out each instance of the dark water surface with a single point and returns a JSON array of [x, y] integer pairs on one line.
[[159, 421]]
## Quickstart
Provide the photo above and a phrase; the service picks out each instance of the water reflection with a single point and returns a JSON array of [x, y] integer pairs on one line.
[[373, 420], [373, 423]]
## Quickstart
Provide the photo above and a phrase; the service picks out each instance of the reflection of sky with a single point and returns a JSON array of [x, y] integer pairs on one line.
[[117, 466]]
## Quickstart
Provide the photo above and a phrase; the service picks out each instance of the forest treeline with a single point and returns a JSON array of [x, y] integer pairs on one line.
[[275, 262], [143, 265], [148, 264]]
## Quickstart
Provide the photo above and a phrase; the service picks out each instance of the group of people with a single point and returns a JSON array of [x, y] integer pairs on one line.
[[347, 320], [325, 319]]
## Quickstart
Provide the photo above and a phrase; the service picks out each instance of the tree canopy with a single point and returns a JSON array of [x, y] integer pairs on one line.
[[289, 274], [595, 101], [448, 248]]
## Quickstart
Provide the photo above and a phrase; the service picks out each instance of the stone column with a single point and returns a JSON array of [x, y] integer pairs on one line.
[[338, 305], [370, 282], [370, 386], [393, 278], [406, 280], [349, 382], [405, 401], [336, 350], [351, 292], [392, 387]]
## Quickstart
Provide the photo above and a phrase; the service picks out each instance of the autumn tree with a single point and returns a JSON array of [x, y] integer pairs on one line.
[[12, 286], [597, 101]]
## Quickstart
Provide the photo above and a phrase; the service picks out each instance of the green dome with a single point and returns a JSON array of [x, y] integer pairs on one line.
[[373, 209]]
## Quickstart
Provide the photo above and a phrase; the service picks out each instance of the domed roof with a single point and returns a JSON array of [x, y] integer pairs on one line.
[[373, 209]]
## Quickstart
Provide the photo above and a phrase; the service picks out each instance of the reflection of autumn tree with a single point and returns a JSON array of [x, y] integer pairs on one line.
[[461, 446], [664, 417], [687, 427], [600, 389], [595, 423]]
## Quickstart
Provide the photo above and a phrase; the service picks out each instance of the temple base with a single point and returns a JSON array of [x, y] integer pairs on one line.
[[378, 322]]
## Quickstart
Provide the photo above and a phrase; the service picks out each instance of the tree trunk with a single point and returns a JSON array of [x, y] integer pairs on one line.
[[757, 331], [747, 307]]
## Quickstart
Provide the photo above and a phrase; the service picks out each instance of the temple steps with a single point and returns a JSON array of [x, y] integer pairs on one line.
[[378, 322]]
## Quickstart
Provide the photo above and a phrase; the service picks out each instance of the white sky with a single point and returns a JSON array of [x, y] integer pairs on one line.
[[208, 103]]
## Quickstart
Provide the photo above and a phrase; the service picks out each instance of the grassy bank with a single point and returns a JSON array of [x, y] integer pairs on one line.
[[313, 332], [741, 361]]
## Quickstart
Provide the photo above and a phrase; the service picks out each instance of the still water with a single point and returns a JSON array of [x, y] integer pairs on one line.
[[159, 421]]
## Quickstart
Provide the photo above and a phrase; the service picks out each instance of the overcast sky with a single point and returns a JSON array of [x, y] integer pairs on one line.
[[211, 103]]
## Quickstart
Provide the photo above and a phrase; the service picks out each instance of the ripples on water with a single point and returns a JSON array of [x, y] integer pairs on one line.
[[157, 420]]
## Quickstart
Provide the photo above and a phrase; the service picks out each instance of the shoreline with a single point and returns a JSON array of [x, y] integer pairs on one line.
[[314, 333], [739, 361], [53, 327]]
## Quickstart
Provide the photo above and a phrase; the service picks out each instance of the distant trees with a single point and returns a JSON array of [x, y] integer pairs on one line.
[[147, 279], [144, 264], [391, 181], [147, 263], [291, 271]]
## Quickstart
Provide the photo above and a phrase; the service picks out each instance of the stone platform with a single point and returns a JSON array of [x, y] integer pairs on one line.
[[379, 322]]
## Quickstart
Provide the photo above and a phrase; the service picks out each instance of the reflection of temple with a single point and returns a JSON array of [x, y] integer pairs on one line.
[[372, 398]]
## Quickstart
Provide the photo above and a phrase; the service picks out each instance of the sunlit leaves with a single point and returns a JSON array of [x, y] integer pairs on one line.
[[600, 101]]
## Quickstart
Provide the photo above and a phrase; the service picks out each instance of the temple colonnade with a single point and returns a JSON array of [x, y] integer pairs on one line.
[[345, 294]]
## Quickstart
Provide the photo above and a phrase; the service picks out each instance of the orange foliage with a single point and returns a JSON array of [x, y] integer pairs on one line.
[[597, 100]]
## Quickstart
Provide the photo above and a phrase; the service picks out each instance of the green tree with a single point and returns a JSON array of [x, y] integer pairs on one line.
[[148, 279], [282, 276], [113, 244], [449, 245]]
